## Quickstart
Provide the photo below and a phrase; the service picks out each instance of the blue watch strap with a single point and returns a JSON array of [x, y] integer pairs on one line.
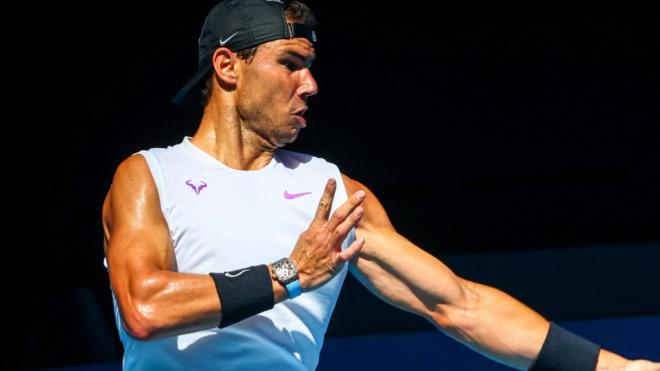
[[294, 289]]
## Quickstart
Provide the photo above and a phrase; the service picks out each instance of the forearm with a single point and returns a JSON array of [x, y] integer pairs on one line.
[[481, 317], [165, 303], [504, 329], [493, 323]]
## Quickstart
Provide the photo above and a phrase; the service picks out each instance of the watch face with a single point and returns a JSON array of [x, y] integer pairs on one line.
[[285, 271]]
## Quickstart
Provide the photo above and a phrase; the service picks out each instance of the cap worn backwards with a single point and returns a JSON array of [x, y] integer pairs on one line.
[[238, 25]]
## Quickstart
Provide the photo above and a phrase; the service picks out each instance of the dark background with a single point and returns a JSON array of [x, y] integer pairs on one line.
[[495, 143]]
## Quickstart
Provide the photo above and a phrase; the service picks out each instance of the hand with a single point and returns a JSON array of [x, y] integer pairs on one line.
[[317, 254], [608, 361], [642, 365]]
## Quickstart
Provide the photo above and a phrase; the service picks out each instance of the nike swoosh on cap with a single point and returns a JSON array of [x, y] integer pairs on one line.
[[223, 42]]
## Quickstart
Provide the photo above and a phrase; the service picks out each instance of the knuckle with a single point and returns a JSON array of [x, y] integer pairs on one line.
[[307, 238], [338, 234], [335, 235], [339, 215]]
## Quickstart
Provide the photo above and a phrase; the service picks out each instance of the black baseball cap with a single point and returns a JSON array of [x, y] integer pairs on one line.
[[238, 25]]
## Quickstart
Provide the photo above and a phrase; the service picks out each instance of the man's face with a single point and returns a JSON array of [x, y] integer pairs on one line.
[[273, 89]]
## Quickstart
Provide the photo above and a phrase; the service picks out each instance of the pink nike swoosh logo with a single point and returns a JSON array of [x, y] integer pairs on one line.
[[291, 196]]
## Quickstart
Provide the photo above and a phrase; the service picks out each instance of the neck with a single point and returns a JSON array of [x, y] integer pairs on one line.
[[221, 135]]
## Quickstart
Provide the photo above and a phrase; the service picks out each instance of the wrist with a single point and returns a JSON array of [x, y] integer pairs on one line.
[[608, 361], [301, 275], [286, 273], [564, 350], [280, 293], [243, 293]]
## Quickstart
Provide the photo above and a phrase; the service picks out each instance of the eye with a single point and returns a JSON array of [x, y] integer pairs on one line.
[[290, 65]]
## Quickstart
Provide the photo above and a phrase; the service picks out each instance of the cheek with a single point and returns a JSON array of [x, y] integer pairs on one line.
[[264, 104], [269, 99], [262, 91], [272, 89]]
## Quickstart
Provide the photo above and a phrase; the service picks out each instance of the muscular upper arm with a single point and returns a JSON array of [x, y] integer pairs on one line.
[[394, 268], [137, 240]]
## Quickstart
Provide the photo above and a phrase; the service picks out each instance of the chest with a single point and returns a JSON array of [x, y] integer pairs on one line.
[[224, 221]]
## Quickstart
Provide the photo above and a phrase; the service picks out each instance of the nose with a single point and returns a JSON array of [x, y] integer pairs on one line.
[[308, 86]]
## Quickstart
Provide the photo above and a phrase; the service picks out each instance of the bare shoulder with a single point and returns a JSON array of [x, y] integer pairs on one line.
[[132, 192], [374, 212], [133, 171], [351, 184]]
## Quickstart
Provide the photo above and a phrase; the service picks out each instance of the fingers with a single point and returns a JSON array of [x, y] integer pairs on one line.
[[341, 231], [352, 250], [325, 204], [345, 210], [642, 365]]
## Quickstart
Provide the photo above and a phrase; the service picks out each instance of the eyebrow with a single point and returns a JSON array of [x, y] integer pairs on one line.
[[308, 60]]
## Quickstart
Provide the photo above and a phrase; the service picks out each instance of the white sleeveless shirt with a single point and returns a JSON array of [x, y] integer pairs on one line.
[[222, 219]]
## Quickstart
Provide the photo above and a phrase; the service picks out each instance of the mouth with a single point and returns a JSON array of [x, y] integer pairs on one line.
[[298, 115], [302, 123], [300, 111]]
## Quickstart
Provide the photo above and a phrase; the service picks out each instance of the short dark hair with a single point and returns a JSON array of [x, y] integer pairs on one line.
[[294, 10]]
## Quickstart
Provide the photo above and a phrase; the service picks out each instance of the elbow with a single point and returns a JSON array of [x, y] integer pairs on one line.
[[138, 332], [140, 313], [443, 318], [458, 317], [455, 322], [139, 324]]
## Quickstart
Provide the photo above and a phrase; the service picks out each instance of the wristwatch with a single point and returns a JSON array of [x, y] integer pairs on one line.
[[284, 271]]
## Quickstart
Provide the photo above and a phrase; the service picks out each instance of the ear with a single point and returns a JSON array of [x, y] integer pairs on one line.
[[224, 64]]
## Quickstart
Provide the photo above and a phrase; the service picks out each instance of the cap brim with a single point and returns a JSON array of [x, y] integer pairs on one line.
[[190, 95]]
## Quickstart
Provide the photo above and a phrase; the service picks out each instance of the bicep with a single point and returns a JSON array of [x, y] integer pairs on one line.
[[372, 270], [395, 269], [404, 275], [136, 233]]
